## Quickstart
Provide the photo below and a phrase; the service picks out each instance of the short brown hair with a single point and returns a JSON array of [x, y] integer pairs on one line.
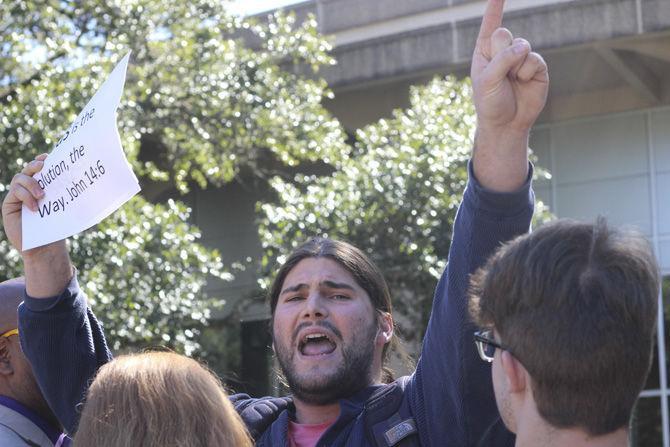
[[576, 304], [158, 399], [365, 272]]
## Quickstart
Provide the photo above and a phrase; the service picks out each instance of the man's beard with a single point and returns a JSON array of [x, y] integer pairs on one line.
[[352, 375]]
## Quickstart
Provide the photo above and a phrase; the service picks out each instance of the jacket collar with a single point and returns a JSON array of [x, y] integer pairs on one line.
[[350, 408], [52, 432]]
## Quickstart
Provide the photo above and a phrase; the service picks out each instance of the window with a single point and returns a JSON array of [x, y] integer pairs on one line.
[[647, 423]]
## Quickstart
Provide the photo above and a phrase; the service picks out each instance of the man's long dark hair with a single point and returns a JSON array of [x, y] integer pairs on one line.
[[364, 271]]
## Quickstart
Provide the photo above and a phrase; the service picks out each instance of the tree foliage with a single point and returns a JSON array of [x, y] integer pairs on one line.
[[396, 198], [199, 103], [144, 271], [200, 108]]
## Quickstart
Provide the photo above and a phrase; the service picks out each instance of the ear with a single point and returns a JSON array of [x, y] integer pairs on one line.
[[515, 373], [385, 327], [6, 368]]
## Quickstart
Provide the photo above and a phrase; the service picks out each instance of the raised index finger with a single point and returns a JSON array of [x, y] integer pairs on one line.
[[492, 19]]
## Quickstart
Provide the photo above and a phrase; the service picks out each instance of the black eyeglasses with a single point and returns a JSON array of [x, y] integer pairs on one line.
[[486, 345]]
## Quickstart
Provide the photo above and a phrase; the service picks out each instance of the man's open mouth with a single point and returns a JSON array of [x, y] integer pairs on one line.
[[316, 344]]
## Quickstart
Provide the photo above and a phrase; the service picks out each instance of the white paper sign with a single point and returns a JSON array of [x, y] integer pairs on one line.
[[86, 177]]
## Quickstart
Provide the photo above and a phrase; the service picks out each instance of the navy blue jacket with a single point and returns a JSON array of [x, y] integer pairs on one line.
[[449, 396]]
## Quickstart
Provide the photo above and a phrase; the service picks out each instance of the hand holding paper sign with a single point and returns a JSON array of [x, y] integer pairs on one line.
[[84, 179], [24, 190], [47, 268]]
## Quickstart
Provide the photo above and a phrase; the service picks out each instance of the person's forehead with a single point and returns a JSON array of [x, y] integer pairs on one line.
[[318, 270]]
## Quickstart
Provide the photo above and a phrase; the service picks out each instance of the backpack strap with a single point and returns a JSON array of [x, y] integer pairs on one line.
[[387, 422]]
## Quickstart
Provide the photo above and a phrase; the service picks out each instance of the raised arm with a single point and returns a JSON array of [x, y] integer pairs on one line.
[[451, 387], [510, 84], [59, 334]]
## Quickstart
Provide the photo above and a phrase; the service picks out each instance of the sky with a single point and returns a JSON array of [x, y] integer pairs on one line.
[[247, 7]]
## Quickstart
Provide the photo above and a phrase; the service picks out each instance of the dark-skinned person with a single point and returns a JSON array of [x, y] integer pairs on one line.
[[25, 417]]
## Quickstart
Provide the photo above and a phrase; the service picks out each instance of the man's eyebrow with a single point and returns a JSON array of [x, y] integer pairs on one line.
[[337, 285], [293, 288]]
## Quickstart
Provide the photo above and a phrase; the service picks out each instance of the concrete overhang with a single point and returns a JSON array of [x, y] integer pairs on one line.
[[604, 55]]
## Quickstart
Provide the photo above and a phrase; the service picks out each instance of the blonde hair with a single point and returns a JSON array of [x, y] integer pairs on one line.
[[158, 399]]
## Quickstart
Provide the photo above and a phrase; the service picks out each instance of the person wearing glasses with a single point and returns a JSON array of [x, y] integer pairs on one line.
[[25, 417], [568, 315]]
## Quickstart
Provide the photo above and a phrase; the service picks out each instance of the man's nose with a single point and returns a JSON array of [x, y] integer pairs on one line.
[[315, 306]]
